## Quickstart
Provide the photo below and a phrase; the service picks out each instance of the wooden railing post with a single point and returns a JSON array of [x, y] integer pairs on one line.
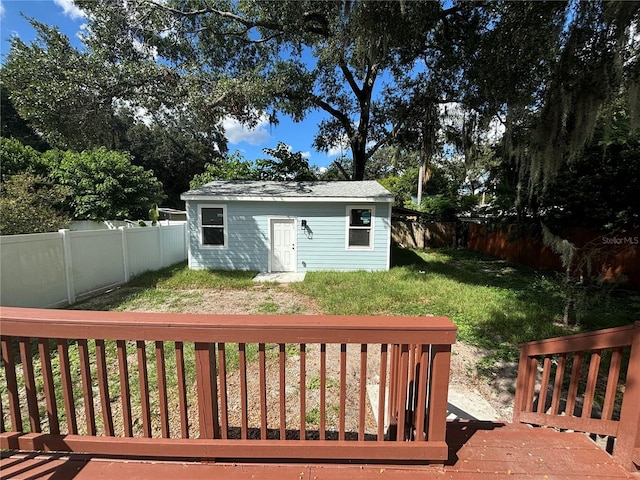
[[207, 391], [628, 439], [521, 383], [439, 389]]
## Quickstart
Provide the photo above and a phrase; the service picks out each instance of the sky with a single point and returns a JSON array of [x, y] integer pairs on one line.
[[69, 19]]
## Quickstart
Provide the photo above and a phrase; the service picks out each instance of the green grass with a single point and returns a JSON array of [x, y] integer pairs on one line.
[[495, 305], [180, 277], [172, 289]]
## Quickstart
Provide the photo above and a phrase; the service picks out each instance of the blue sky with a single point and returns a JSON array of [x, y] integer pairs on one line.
[[250, 143]]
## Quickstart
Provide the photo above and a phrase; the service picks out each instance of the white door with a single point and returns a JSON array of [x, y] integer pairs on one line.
[[283, 253]]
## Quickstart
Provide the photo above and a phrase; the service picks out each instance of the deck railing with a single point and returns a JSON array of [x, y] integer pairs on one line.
[[587, 382], [210, 386]]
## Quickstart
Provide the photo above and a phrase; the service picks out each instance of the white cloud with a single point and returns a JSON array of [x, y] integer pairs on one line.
[[342, 148], [236, 132], [1, 9], [306, 154], [70, 9]]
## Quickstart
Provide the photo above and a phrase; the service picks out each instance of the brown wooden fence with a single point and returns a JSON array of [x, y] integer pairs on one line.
[[416, 234], [118, 383], [561, 384], [618, 256]]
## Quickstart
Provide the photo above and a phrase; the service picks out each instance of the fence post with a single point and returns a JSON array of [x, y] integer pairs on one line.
[[68, 265], [628, 439], [125, 254], [162, 265]]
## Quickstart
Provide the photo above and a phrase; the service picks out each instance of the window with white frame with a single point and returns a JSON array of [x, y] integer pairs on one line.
[[213, 224], [360, 227]]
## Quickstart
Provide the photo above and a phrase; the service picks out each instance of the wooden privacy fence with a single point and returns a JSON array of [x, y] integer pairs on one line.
[[416, 234], [565, 383], [179, 385]]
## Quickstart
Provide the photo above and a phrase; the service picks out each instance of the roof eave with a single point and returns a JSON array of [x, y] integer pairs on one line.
[[270, 198]]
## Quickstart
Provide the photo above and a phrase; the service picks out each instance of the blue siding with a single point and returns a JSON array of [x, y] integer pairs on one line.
[[322, 247]]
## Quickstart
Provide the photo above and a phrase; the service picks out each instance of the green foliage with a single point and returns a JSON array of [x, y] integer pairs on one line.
[[598, 189], [31, 204], [83, 99], [446, 207], [103, 184], [234, 167], [154, 214], [16, 157], [174, 154], [285, 165], [13, 125]]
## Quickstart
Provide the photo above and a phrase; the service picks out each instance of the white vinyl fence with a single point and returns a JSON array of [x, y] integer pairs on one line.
[[49, 270]]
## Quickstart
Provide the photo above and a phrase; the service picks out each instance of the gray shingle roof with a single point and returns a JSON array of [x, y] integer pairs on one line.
[[304, 191]]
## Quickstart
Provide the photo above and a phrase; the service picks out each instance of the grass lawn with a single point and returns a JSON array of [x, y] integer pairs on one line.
[[496, 305]]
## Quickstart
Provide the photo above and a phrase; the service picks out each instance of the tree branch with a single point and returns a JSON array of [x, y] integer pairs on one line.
[[349, 77], [221, 13], [337, 114], [342, 170]]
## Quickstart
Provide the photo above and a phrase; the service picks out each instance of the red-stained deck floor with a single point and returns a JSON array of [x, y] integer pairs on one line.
[[477, 450]]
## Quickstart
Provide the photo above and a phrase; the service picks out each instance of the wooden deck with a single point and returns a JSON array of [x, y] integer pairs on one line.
[[477, 450]]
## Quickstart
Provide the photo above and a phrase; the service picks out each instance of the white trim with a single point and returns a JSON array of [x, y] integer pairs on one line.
[[371, 227], [225, 226], [294, 221], [237, 198], [389, 239]]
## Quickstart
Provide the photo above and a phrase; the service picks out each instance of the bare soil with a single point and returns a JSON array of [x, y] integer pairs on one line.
[[281, 299]]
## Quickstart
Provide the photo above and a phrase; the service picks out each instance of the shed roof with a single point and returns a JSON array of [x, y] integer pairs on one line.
[[247, 190]]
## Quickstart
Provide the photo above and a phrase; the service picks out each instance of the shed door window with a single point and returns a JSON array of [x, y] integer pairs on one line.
[[213, 225], [360, 227]]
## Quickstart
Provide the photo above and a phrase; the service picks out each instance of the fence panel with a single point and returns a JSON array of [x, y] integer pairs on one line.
[[32, 270], [97, 260], [49, 270], [143, 250], [173, 244]]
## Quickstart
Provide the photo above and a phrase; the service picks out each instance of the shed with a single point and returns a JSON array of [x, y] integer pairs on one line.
[[289, 226]]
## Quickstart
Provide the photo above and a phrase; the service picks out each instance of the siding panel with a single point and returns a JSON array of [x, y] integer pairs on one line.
[[321, 247]]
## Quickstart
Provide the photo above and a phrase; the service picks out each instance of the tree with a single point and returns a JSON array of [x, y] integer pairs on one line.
[[15, 157], [80, 100], [233, 167], [297, 56], [103, 184], [31, 204], [174, 154], [558, 80], [285, 165], [14, 126]]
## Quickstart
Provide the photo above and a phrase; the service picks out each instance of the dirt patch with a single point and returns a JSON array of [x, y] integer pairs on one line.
[[281, 299], [499, 391]]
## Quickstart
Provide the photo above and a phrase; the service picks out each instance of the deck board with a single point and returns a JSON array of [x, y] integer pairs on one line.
[[477, 450]]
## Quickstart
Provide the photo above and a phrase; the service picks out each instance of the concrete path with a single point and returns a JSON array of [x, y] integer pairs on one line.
[[462, 404], [279, 277]]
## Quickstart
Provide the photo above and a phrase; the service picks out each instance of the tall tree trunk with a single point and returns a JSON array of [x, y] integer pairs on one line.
[[359, 151]]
